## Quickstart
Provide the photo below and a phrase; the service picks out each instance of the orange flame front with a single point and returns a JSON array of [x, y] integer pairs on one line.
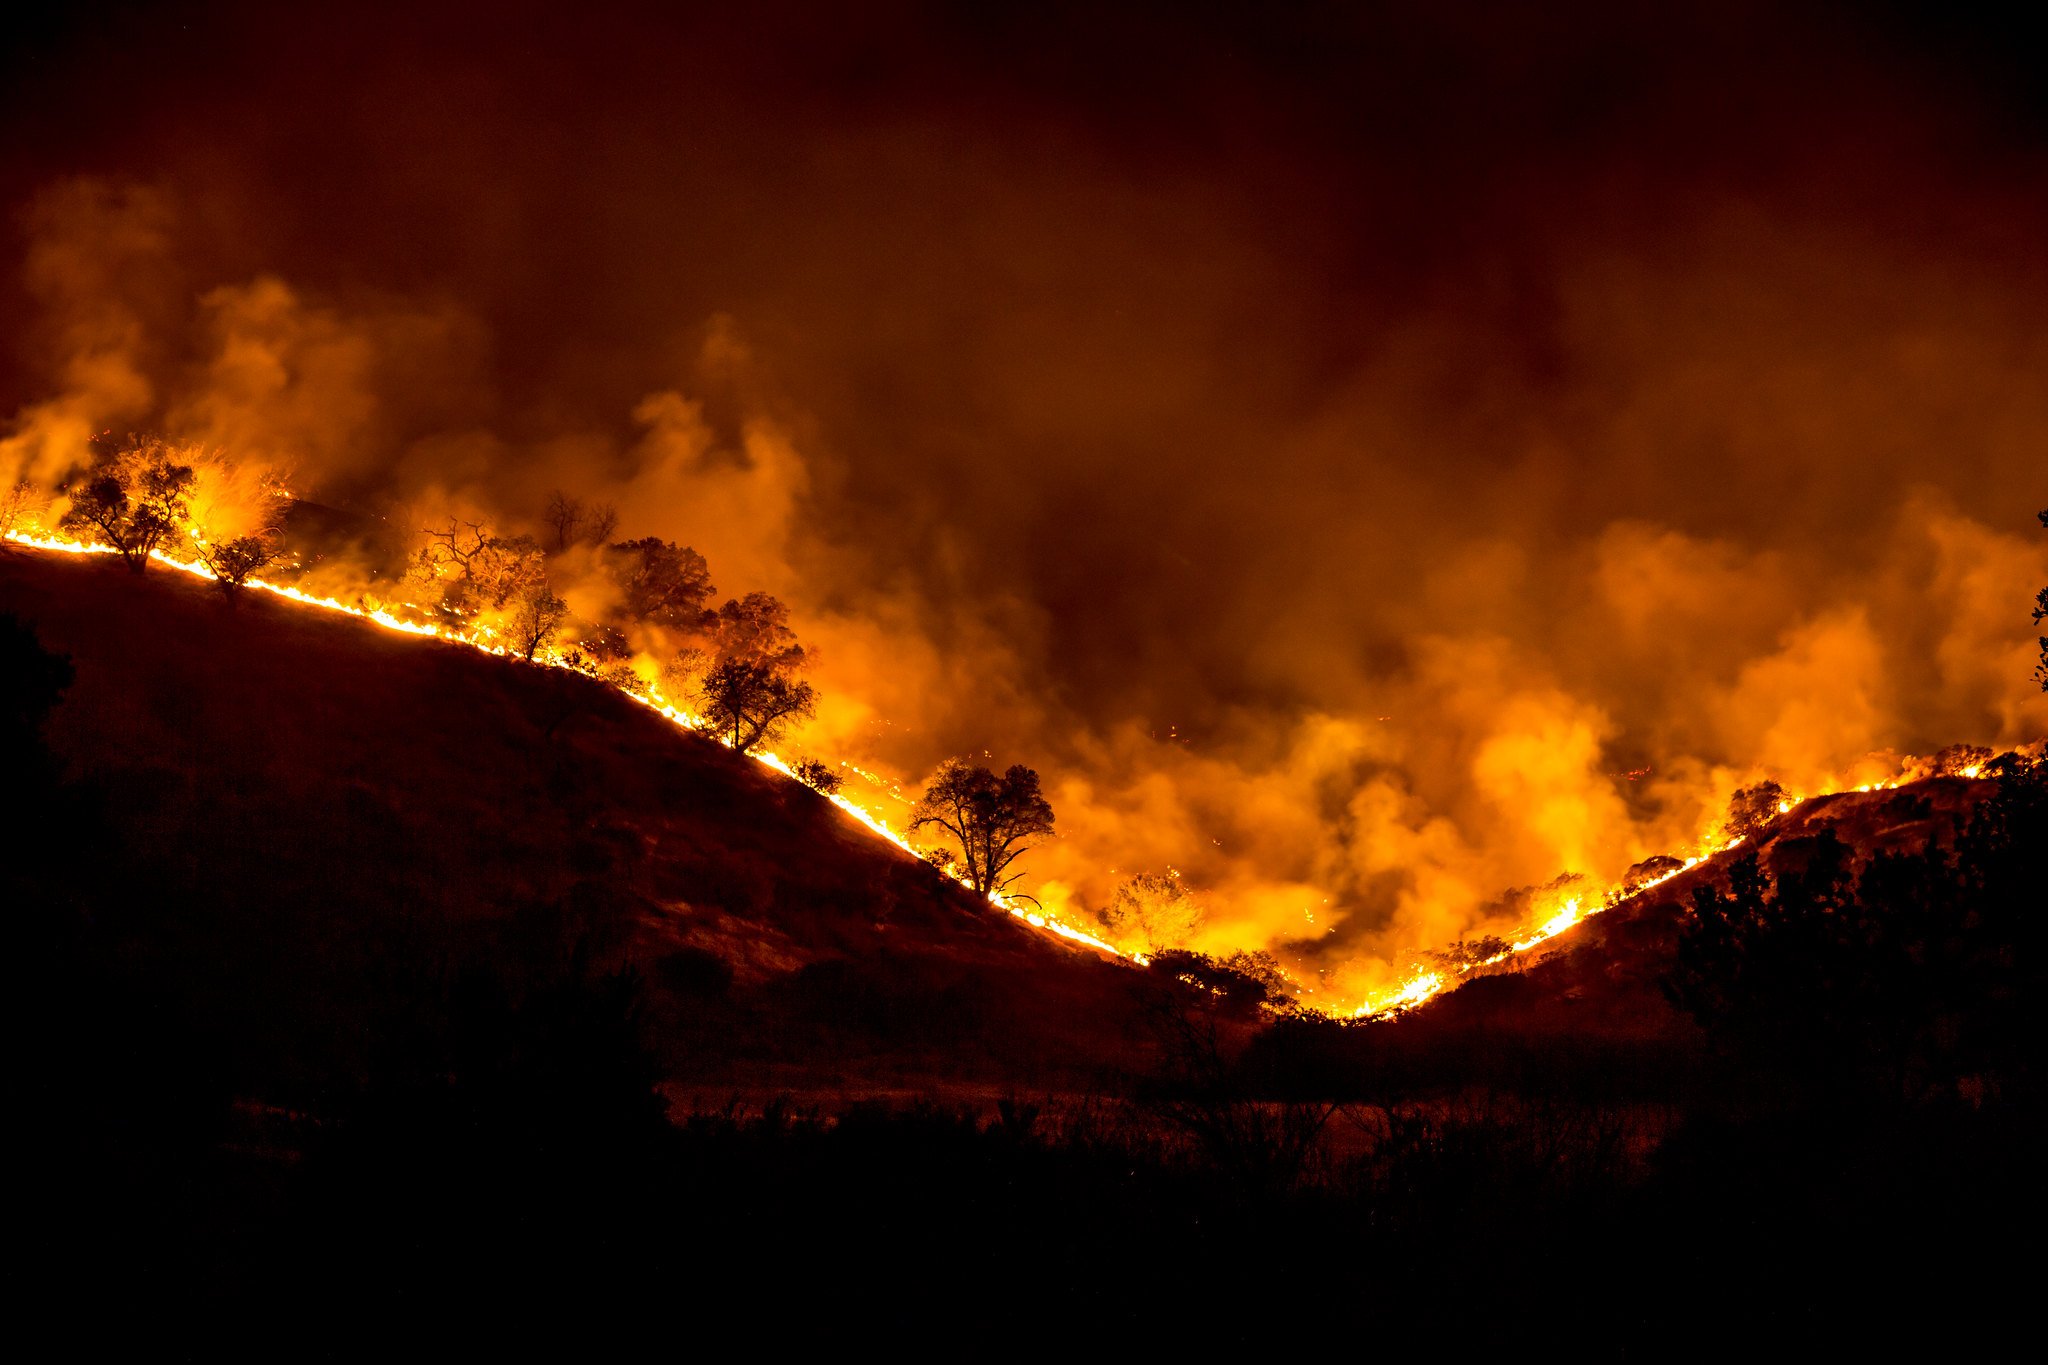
[[1421, 986]]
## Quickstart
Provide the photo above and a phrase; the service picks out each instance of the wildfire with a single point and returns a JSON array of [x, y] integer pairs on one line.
[[1420, 987], [1425, 984], [481, 640]]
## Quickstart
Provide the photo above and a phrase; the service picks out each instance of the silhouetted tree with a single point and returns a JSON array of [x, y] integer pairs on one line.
[[1922, 974], [1152, 912], [234, 562], [449, 549], [134, 497], [818, 777], [994, 819], [1260, 966], [575, 522], [2004, 887], [1752, 809], [537, 617], [1749, 957], [662, 584], [750, 702], [745, 684], [1198, 1087], [565, 515], [1241, 982]]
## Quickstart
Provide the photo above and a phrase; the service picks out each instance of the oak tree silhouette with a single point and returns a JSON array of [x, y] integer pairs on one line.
[[746, 684], [136, 495], [994, 819]]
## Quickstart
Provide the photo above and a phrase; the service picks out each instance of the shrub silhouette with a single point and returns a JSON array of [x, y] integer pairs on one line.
[[1909, 979]]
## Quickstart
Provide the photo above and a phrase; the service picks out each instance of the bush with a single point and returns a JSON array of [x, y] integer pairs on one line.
[[818, 777]]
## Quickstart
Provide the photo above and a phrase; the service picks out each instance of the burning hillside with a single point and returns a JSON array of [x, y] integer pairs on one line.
[[1184, 678], [341, 800], [1757, 819], [144, 502], [1341, 569], [214, 521], [381, 946], [1606, 971]]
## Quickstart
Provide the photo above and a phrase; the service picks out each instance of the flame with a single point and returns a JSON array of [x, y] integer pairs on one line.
[[1420, 987], [480, 639], [1424, 985]]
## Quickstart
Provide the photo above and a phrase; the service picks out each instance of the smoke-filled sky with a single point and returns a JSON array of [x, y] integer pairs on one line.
[[1366, 457]]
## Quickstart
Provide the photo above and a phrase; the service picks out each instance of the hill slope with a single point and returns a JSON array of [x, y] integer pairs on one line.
[[1603, 976], [316, 812]]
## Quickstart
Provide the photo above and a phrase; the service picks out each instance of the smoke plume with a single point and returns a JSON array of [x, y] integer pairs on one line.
[[1366, 464]]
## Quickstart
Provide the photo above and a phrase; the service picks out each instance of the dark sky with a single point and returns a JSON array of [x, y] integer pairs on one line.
[[1243, 371]]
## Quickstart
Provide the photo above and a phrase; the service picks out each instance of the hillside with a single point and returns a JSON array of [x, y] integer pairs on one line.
[[319, 813], [1602, 977], [334, 1035], [328, 810]]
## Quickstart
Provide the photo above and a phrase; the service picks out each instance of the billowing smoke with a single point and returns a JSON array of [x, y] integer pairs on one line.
[[1365, 492]]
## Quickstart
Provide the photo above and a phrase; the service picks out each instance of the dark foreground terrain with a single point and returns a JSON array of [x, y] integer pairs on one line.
[[371, 996]]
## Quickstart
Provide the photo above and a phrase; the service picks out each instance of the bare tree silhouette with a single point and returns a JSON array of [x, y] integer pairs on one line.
[[565, 515]]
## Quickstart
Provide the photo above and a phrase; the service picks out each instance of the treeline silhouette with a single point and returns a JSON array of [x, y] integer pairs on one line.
[[738, 664], [490, 1163]]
